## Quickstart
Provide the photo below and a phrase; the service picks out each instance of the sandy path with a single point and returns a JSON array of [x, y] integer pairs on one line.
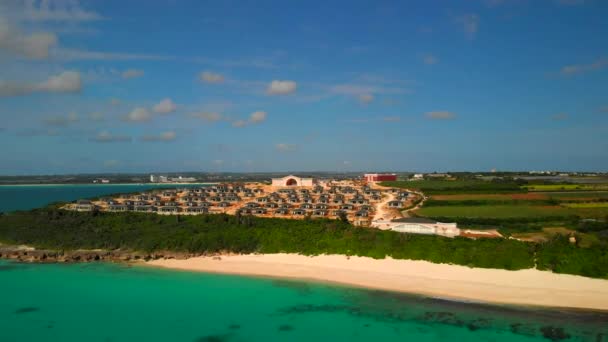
[[527, 287]]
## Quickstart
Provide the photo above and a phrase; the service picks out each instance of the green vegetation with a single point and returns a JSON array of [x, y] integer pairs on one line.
[[458, 186], [566, 187], [58, 229], [560, 256], [496, 211], [67, 230]]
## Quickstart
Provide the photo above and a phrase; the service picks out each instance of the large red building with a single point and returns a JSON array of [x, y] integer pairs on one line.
[[380, 177]]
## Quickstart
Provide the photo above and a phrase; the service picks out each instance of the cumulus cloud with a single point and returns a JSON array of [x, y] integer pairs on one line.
[[162, 137], [254, 118], [430, 59], [257, 117], [440, 115], [469, 23], [211, 77], [107, 137], [138, 114], [575, 69], [33, 45], [283, 147], [277, 87], [165, 106], [66, 82], [132, 73], [208, 116], [239, 123], [366, 98], [61, 120]]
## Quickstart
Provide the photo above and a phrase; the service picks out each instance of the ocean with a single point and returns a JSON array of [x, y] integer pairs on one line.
[[119, 302]]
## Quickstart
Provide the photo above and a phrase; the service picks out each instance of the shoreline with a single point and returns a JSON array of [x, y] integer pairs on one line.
[[528, 287]]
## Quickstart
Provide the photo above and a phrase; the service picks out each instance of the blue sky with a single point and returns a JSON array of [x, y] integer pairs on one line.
[[158, 86]]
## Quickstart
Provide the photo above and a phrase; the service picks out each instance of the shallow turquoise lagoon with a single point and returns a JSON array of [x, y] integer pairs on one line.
[[113, 302]]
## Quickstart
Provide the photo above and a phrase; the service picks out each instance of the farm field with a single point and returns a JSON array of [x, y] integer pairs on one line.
[[566, 187], [577, 196], [496, 211], [586, 205], [457, 186], [492, 197]]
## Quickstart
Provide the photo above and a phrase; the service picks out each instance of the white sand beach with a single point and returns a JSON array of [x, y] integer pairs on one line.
[[524, 287]]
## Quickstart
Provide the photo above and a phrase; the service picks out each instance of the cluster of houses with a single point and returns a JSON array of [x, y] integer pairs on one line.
[[357, 203]]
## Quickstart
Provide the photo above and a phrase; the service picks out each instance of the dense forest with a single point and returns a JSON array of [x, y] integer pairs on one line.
[[66, 230]]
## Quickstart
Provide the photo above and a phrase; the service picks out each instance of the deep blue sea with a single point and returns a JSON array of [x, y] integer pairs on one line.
[[117, 302]]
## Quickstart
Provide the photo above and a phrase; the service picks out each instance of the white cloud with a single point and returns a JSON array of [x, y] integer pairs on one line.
[[366, 98], [469, 23], [34, 45], [211, 77], [208, 116], [575, 69], [430, 59], [254, 118], [162, 137], [282, 147], [165, 106], [440, 115], [107, 137], [68, 55], [239, 123], [65, 82], [58, 10], [277, 87], [138, 115], [132, 73], [257, 117]]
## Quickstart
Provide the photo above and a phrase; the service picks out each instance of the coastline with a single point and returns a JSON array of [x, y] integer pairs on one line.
[[524, 287]]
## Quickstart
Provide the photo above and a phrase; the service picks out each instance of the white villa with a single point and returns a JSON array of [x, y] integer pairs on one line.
[[292, 180]]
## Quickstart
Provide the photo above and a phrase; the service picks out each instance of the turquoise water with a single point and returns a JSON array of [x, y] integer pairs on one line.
[[116, 302], [23, 197]]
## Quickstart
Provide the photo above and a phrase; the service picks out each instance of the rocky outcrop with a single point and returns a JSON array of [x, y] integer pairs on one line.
[[28, 254]]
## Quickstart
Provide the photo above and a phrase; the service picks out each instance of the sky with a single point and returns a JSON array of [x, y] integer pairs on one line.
[[252, 86]]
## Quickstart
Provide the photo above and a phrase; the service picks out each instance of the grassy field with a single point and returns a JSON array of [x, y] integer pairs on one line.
[[566, 187], [496, 211], [586, 205], [491, 197], [585, 240], [457, 186], [577, 196]]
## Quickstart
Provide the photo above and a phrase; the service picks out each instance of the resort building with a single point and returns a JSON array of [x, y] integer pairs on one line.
[[416, 225], [292, 180], [380, 177]]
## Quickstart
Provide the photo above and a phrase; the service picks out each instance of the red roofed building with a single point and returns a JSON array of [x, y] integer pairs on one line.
[[380, 177]]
